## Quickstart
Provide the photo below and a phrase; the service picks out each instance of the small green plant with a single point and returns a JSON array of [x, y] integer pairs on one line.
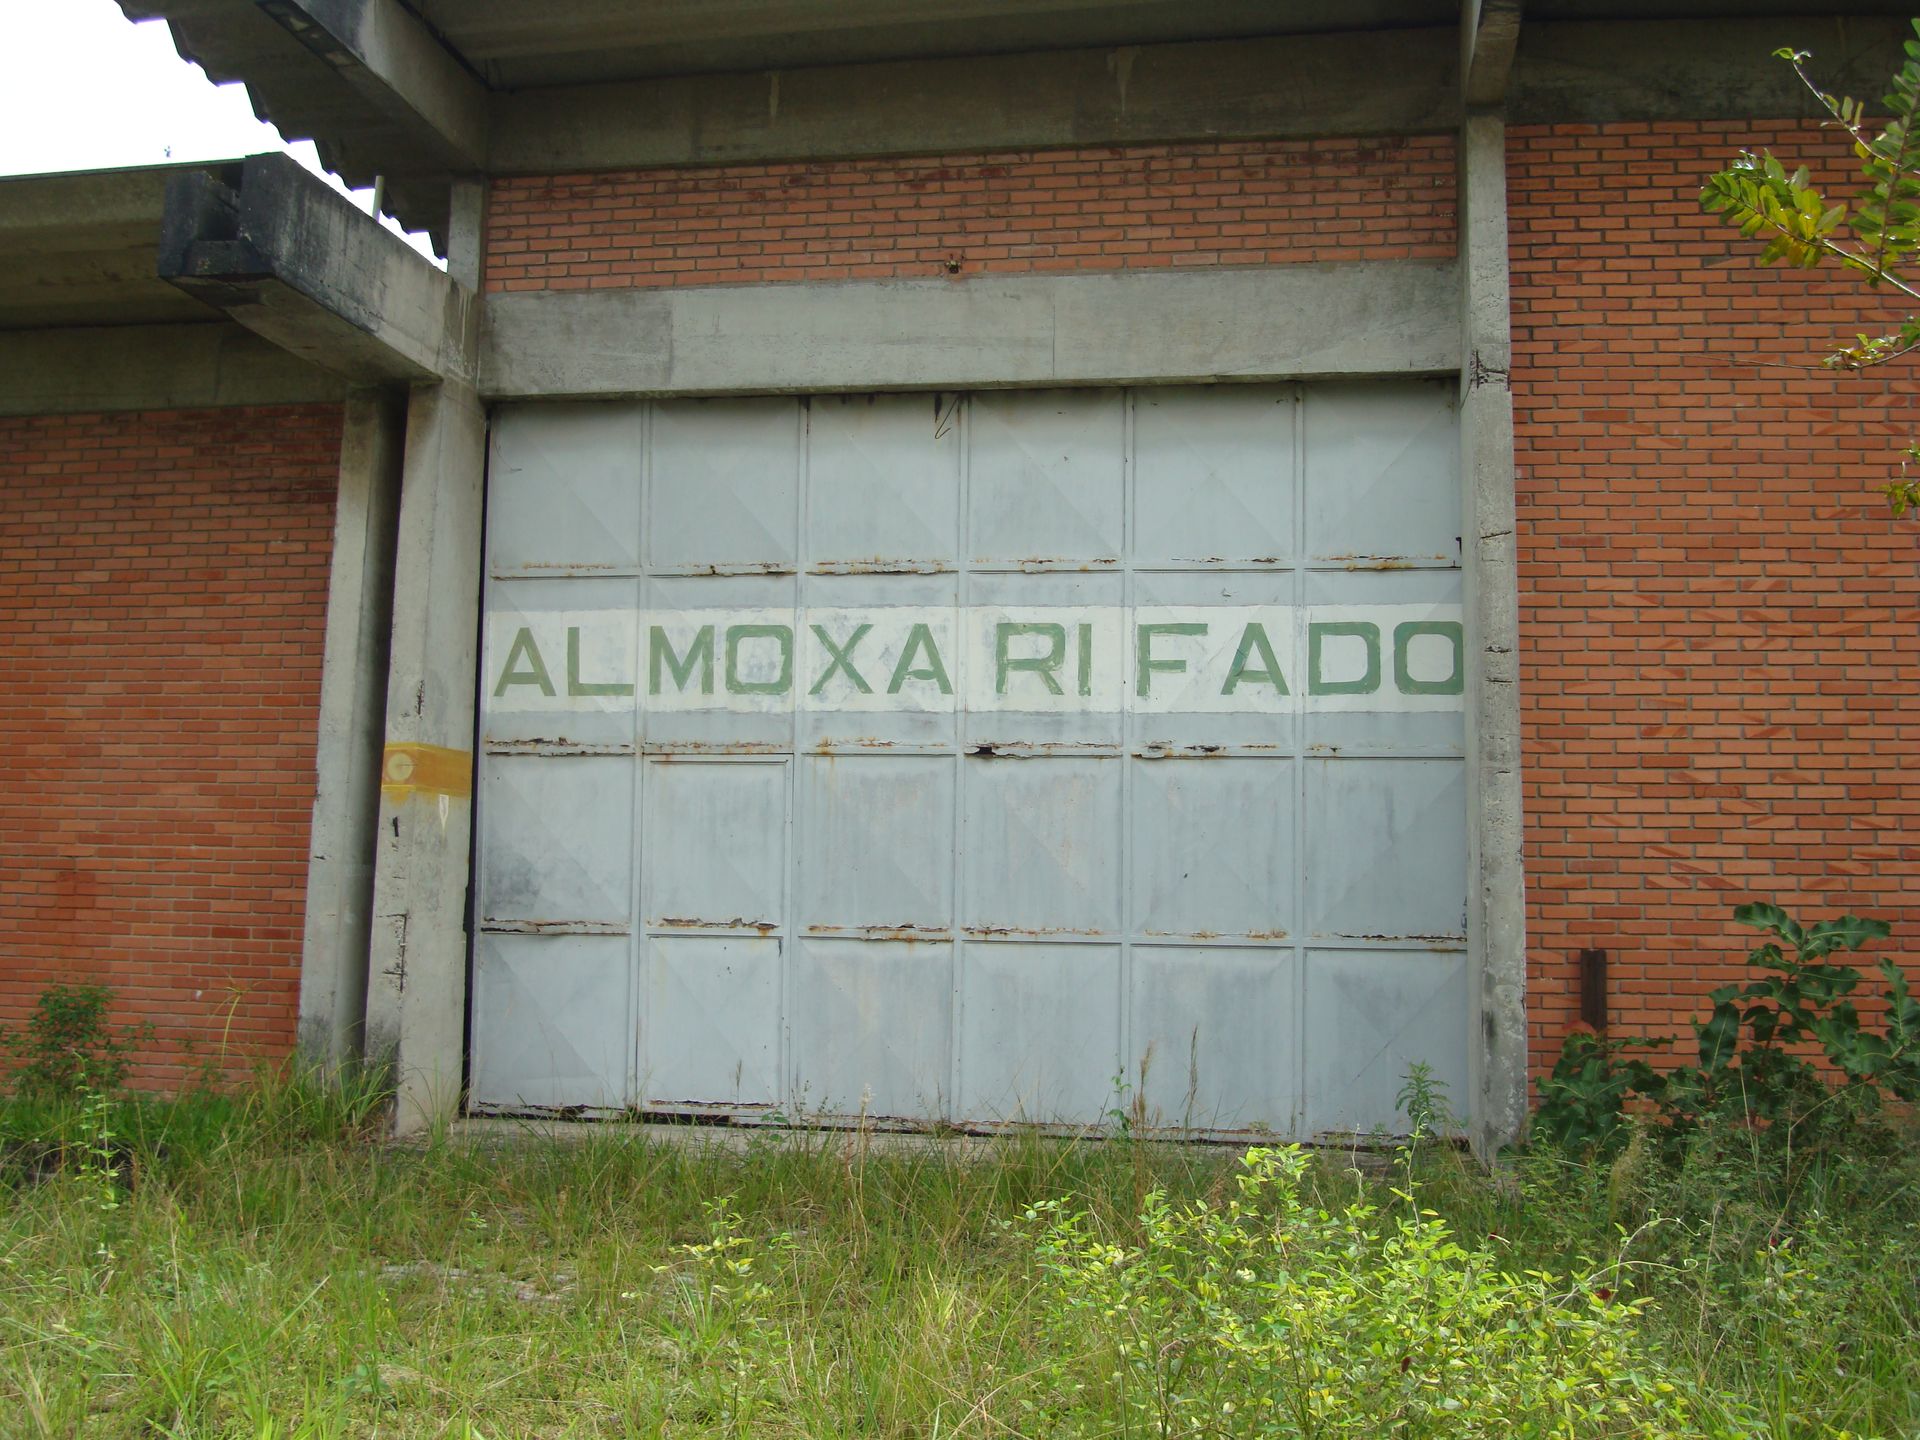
[[68, 1049], [1422, 1098], [1755, 1048], [102, 1161], [724, 1321]]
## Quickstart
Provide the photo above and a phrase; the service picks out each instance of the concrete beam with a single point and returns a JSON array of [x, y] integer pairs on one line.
[[399, 68], [417, 962], [1304, 85], [1489, 34], [1597, 72], [1350, 83], [152, 367], [1496, 910], [353, 691], [294, 261], [1285, 321]]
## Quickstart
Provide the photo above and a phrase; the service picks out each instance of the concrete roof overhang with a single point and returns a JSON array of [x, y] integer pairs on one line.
[[88, 322], [82, 249], [239, 281], [513, 46], [420, 91]]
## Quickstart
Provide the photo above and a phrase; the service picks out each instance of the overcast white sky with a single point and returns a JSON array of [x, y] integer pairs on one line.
[[82, 89]]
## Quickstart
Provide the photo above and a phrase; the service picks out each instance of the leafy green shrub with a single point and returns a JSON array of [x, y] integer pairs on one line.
[[1584, 1099], [1264, 1316], [1755, 1047], [67, 1049]]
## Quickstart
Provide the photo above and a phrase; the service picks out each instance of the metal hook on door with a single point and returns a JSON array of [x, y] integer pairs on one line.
[[943, 419]]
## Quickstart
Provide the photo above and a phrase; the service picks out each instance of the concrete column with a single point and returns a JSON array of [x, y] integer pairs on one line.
[[1496, 916], [466, 233], [416, 998], [417, 985], [353, 691]]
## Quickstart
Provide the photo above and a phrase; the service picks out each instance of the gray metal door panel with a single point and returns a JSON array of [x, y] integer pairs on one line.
[[878, 858], [1215, 475], [1383, 854], [1214, 1031], [723, 485], [1046, 473], [563, 491], [556, 842], [716, 833], [1042, 847], [710, 1022], [872, 1028], [1031, 716], [1183, 714], [836, 713], [1374, 1014], [941, 757], [708, 705], [553, 1020], [1434, 722], [1382, 474], [883, 482], [1039, 1031], [1198, 878], [531, 666]]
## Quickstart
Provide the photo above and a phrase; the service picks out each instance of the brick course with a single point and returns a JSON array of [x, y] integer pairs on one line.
[[163, 588], [1717, 614], [1138, 207]]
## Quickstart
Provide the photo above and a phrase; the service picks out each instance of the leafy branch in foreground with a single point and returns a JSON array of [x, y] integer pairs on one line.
[[1876, 235]]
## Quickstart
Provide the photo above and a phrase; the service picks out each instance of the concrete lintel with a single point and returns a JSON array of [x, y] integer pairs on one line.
[[1285, 321], [1302, 85], [1496, 912], [353, 689], [398, 66], [1489, 34], [152, 367], [301, 266]]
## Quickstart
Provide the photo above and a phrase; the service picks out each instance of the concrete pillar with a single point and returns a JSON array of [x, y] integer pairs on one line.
[[466, 233], [353, 691], [416, 997], [417, 984], [1496, 915]]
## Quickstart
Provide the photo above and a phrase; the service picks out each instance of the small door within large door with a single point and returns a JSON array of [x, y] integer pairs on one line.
[[1005, 757]]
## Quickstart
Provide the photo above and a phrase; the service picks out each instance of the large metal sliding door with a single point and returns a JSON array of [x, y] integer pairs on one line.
[[938, 757]]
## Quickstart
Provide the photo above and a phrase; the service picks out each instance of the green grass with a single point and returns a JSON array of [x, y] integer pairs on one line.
[[274, 1274]]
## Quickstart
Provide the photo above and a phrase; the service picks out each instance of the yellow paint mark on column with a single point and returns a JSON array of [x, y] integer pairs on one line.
[[408, 770]]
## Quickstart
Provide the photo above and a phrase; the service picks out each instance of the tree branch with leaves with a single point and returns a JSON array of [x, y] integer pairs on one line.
[[1876, 235]]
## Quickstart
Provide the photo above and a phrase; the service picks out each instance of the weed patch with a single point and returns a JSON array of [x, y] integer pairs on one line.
[[273, 1273]]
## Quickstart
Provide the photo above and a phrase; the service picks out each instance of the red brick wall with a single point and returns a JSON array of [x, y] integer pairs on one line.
[[1241, 203], [163, 586], [1719, 656]]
